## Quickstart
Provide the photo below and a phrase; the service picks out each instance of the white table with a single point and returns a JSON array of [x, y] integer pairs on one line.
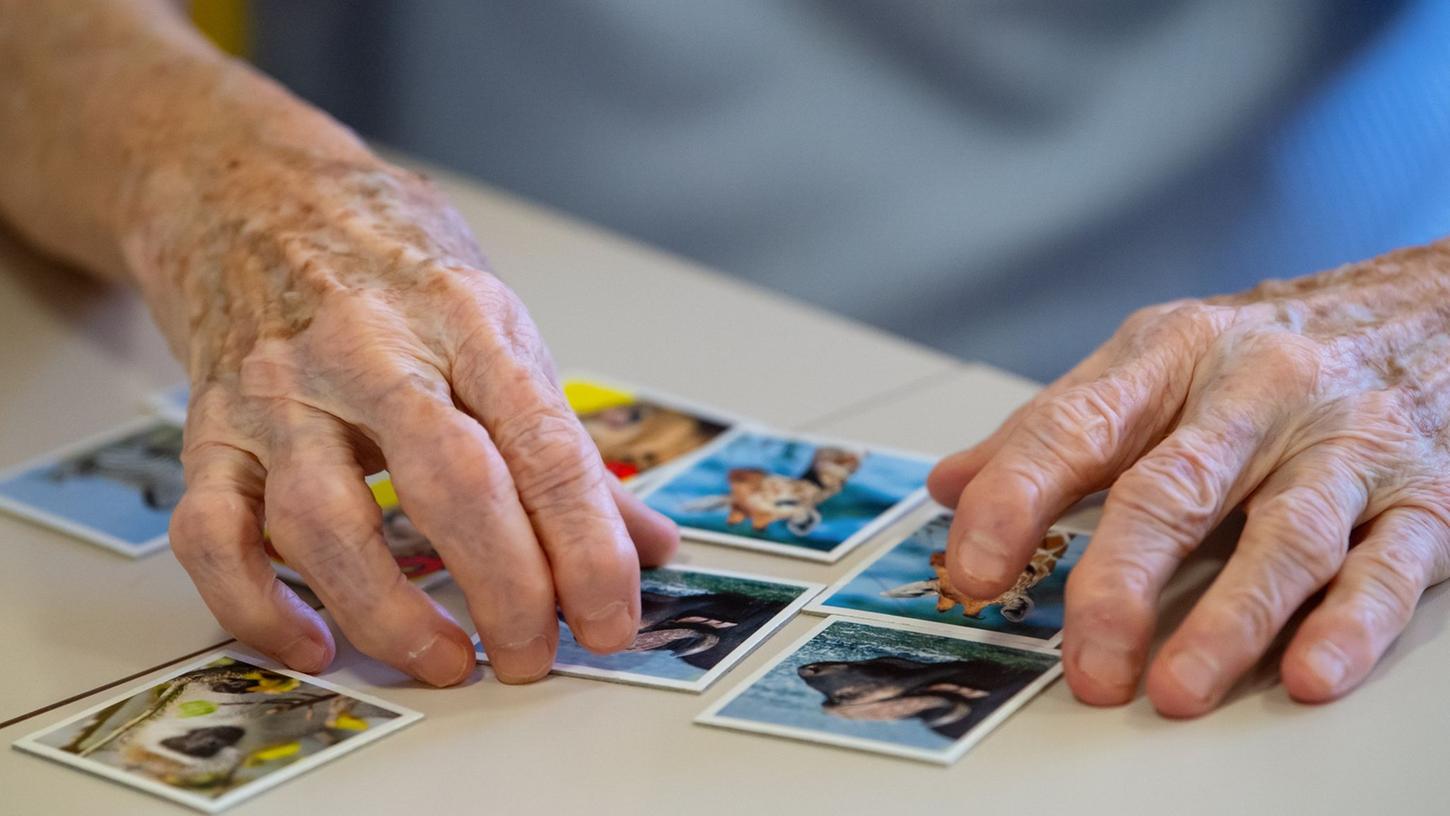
[[73, 618]]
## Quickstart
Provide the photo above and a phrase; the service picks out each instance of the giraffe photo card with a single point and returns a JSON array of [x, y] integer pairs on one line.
[[894, 690], [116, 489], [218, 731], [908, 581], [695, 624], [788, 494]]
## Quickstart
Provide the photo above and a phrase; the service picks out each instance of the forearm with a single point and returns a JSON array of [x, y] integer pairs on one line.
[[116, 111]]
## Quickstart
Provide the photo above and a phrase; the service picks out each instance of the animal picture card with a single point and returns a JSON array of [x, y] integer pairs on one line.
[[694, 625], [909, 580], [116, 490], [415, 556], [218, 731], [789, 495], [892, 690], [637, 431]]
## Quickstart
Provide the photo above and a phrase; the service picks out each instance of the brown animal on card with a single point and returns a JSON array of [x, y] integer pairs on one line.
[[764, 498], [636, 437], [1016, 603]]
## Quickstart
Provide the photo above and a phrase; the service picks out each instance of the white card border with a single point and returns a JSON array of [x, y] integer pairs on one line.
[[711, 716], [86, 533], [926, 514], [30, 743], [831, 556], [809, 590]]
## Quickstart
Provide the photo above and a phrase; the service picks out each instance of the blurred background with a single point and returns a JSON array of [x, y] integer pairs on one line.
[[1001, 179]]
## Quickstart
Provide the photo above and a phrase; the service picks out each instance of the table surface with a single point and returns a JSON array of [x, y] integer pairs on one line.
[[81, 357]]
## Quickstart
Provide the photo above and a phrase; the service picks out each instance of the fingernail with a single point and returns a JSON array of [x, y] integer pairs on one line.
[[983, 562], [522, 661], [1329, 662], [1195, 673], [305, 654], [609, 627], [440, 662], [1107, 664]]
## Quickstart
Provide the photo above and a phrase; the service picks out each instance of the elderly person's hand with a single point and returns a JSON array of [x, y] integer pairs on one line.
[[335, 316], [1318, 404]]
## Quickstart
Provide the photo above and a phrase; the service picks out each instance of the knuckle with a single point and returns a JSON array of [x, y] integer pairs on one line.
[[549, 456], [1175, 491], [1299, 534], [1292, 361], [1255, 611], [1082, 426], [1118, 588], [1390, 585]]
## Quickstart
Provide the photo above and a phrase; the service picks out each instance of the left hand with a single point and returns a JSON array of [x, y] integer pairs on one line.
[[1319, 404]]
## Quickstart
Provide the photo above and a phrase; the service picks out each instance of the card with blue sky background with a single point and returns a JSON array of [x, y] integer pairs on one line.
[[907, 581], [116, 490], [788, 494], [889, 689], [695, 624]]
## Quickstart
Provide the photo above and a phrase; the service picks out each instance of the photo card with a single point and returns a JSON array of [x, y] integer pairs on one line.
[[893, 690], [788, 494], [116, 489], [219, 730], [908, 581], [695, 624], [416, 558], [640, 431]]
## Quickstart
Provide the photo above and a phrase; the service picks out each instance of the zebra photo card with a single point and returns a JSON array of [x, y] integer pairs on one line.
[[893, 690], [217, 731], [788, 494], [116, 490], [908, 581]]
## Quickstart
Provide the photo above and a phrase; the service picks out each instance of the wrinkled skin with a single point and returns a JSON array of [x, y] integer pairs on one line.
[[1317, 404], [338, 318], [334, 316]]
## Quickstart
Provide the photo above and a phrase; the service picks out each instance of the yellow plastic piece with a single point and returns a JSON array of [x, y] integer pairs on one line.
[[586, 397]]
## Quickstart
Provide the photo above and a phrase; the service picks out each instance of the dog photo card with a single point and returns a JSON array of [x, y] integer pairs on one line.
[[892, 690], [909, 581], [116, 490], [218, 731], [412, 551], [639, 431], [695, 624], [787, 494]]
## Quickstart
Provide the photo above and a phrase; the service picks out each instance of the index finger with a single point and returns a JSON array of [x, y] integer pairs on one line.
[[1061, 450]]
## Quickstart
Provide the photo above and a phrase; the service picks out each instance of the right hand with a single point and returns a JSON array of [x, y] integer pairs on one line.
[[336, 317]]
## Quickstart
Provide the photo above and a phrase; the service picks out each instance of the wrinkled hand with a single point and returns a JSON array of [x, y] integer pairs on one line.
[[335, 318], [1318, 404]]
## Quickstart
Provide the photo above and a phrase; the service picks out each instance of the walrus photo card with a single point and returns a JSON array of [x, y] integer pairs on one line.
[[788, 494], [412, 551], [695, 624], [908, 581], [639, 431], [116, 489], [219, 730], [887, 689]]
